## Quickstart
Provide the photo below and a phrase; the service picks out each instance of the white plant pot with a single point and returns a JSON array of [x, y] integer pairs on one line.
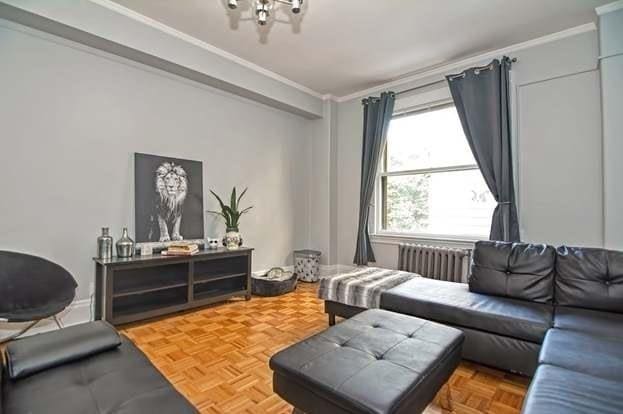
[[232, 240]]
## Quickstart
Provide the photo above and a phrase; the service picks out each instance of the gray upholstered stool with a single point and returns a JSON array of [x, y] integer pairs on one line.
[[376, 362]]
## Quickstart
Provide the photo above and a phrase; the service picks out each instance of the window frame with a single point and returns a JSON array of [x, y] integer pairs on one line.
[[379, 202]]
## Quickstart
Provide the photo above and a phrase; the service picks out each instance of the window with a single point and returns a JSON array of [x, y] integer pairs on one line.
[[429, 184]]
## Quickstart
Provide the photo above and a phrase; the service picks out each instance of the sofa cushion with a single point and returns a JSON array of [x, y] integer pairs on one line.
[[43, 351], [508, 354], [603, 324], [583, 352], [453, 303], [589, 278], [121, 380], [556, 390], [515, 270]]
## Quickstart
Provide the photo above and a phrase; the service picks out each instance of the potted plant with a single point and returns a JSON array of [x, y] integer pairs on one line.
[[231, 213]]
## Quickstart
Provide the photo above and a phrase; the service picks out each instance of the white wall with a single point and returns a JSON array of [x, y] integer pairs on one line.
[[108, 26], [71, 120], [319, 195], [611, 37], [559, 158], [558, 150]]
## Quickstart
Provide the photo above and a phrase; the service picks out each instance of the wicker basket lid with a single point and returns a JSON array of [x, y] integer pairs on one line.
[[307, 253]]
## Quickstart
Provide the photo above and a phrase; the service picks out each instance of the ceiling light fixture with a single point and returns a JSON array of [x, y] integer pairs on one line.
[[263, 8]]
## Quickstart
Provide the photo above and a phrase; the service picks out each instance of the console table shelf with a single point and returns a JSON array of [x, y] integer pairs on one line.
[[141, 287]]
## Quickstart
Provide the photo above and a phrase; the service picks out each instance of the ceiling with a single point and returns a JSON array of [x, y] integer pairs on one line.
[[342, 46]]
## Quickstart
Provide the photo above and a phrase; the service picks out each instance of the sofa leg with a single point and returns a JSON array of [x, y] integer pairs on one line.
[[331, 319]]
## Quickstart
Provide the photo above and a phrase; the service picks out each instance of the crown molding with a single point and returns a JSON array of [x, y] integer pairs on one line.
[[446, 68], [116, 7], [609, 8]]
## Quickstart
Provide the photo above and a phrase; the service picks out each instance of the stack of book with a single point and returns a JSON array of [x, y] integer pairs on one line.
[[181, 249]]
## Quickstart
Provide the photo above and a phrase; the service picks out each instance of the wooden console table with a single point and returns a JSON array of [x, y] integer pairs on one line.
[[142, 287]]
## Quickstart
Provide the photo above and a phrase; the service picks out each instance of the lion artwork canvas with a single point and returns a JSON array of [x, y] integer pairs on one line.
[[168, 199]]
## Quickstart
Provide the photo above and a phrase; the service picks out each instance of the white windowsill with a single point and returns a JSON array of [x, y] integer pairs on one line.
[[449, 241]]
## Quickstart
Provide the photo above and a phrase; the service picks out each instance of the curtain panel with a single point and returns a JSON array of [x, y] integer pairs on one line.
[[377, 113], [482, 99]]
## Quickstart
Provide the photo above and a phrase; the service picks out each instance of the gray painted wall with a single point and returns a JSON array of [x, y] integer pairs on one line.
[[101, 27], [611, 37], [558, 148], [71, 120]]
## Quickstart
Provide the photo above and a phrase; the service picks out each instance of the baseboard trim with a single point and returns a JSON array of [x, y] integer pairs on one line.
[[77, 312]]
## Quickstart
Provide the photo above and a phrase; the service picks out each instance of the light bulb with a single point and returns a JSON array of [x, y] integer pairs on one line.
[[262, 17], [296, 6], [233, 4], [262, 9]]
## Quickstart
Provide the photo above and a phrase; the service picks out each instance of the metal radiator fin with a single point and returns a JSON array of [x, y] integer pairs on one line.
[[435, 262]]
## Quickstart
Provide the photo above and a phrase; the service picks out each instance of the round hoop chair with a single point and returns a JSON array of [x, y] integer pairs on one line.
[[31, 289]]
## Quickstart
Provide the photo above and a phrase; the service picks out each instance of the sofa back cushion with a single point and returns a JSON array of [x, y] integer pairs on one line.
[[589, 278], [515, 270]]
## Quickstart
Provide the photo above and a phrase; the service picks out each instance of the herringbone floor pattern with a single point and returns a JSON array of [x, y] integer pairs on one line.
[[218, 356]]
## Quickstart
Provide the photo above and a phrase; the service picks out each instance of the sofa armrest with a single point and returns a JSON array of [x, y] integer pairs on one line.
[[48, 350]]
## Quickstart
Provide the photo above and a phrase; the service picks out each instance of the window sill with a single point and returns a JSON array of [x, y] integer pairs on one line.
[[449, 241]]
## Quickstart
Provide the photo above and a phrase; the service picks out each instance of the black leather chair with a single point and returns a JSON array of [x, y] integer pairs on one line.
[[32, 288]]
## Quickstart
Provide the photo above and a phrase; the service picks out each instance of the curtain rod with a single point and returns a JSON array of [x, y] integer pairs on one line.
[[513, 60]]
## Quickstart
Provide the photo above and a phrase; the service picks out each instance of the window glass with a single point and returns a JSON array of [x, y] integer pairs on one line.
[[429, 139], [430, 183]]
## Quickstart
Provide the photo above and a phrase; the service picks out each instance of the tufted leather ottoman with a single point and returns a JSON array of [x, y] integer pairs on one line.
[[376, 362]]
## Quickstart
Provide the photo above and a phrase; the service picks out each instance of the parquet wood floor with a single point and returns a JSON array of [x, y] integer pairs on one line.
[[218, 356]]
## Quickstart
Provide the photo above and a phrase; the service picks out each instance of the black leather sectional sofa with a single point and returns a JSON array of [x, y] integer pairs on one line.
[[85, 368], [556, 314]]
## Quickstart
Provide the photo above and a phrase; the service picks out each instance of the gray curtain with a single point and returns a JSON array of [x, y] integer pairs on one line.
[[481, 96], [377, 112]]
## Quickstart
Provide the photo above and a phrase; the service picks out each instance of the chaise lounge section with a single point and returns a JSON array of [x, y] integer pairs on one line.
[[504, 312]]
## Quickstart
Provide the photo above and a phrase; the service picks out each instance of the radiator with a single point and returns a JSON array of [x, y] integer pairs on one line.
[[435, 262]]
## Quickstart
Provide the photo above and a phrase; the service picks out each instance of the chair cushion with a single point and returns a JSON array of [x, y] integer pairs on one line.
[[603, 324], [585, 353], [556, 390], [43, 351], [120, 381], [589, 278], [453, 303], [376, 362], [515, 270]]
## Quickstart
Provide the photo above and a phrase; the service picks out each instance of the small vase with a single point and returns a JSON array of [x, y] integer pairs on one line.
[[232, 239], [104, 245], [125, 245]]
